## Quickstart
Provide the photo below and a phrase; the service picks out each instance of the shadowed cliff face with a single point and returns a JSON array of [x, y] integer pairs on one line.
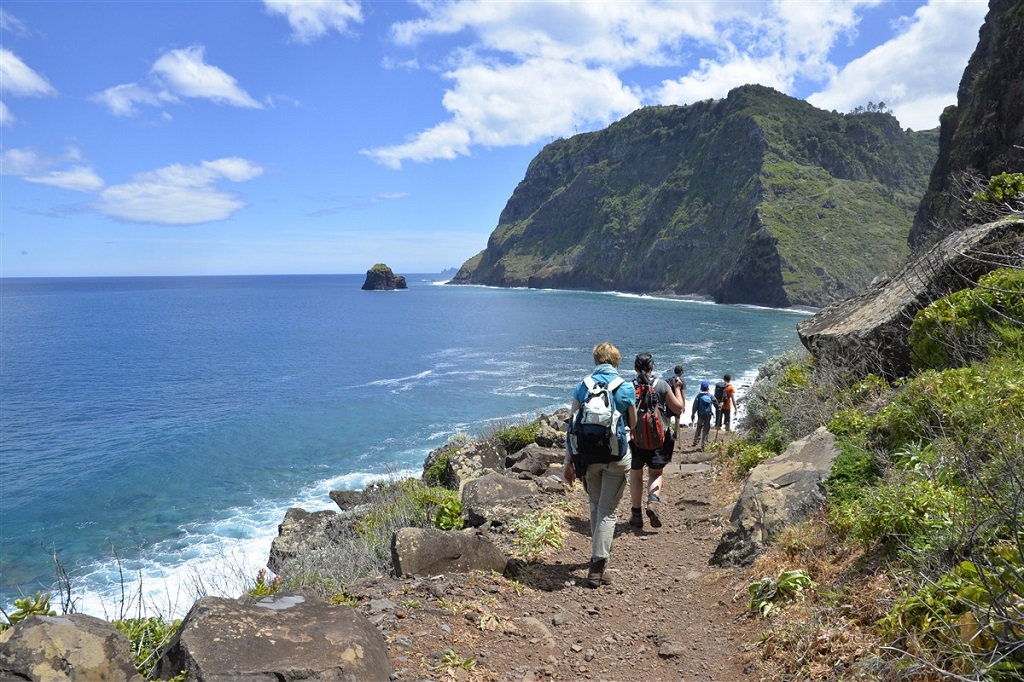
[[983, 135], [757, 198]]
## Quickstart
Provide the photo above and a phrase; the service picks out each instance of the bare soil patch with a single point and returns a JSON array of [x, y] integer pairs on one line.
[[668, 615]]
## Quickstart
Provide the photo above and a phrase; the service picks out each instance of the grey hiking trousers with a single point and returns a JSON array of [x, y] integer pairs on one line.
[[604, 484]]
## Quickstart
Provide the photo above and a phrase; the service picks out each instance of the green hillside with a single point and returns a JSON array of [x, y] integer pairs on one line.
[[757, 198]]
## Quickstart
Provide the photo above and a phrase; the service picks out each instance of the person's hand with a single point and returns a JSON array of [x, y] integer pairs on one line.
[[569, 472]]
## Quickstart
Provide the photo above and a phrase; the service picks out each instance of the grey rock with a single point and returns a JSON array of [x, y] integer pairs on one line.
[[429, 551], [73, 647], [779, 492], [534, 459], [223, 639], [497, 499]]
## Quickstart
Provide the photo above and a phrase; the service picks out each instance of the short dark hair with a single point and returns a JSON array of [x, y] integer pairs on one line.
[[728, 377], [678, 369]]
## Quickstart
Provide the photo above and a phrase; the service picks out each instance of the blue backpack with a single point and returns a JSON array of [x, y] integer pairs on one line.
[[705, 404]]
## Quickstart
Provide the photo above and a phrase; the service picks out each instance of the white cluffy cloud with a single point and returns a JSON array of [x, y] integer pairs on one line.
[[522, 72], [19, 80], [175, 75], [179, 194], [311, 19], [910, 73]]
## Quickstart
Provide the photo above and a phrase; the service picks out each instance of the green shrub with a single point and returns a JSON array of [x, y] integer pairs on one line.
[[515, 438], [436, 473], [36, 605], [746, 455], [970, 325], [853, 473], [536, 532], [848, 421], [148, 637], [907, 516], [969, 620]]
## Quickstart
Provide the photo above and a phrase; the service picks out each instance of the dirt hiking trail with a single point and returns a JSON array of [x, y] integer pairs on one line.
[[667, 616]]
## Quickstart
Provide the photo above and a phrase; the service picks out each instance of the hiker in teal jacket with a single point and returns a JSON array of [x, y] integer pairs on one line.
[[604, 482]]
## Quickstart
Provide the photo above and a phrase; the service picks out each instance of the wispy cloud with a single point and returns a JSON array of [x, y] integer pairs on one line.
[[177, 74], [9, 22], [77, 178], [522, 72], [343, 204], [66, 171], [311, 19], [179, 194]]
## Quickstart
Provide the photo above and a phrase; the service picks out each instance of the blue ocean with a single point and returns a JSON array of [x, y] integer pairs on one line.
[[153, 431]]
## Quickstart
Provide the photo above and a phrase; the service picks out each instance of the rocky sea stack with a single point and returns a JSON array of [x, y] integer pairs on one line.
[[381, 278]]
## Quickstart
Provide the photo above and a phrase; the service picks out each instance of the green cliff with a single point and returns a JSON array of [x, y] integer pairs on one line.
[[757, 198]]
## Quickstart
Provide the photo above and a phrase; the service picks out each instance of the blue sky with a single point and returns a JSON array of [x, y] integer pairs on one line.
[[276, 137]]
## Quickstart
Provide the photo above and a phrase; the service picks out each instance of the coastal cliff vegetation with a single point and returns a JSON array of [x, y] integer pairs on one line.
[[918, 558], [757, 198]]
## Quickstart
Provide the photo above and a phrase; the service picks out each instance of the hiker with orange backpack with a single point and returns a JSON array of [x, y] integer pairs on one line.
[[651, 442]]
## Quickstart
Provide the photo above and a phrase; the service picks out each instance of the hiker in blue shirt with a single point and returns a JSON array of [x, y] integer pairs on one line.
[[704, 406], [604, 481]]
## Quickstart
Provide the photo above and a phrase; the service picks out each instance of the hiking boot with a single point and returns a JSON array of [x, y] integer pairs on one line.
[[652, 504], [636, 519], [595, 576]]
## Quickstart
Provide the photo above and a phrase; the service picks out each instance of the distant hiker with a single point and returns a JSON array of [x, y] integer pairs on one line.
[[725, 394], [652, 442], [673, 381], [704, 406], [600, 401]]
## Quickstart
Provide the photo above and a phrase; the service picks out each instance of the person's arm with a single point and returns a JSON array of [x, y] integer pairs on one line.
[[631, 417], [674, 400]]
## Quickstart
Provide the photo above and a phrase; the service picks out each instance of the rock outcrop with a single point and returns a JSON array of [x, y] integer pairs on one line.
[[868, 333], [779, 492], [429, 551], [983, 135], [381, 278], [73, 647], [757, 198], [280, 637], [302, 530]]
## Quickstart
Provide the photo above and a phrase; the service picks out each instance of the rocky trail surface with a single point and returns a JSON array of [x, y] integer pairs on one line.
[[668, 614]]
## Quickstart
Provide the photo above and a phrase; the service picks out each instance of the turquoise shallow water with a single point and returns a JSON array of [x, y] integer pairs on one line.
[[171, 422]]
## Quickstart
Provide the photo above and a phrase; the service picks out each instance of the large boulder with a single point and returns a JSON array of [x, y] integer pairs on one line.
[[381, 278], [74, 647], [868, 333], [779, 492], [497, 499], [429, 551], [277, 639]]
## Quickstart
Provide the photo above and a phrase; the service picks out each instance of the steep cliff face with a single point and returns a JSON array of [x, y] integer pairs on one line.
[[757, 198], [983, 135]]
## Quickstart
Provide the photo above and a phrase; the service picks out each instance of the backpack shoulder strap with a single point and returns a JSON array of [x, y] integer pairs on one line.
[[615, 383], [589, 382]]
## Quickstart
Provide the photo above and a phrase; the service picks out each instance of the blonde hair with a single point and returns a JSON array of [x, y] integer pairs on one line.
[[606, 353]]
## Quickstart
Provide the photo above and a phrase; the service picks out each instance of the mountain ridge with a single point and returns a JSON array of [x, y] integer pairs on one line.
[[721, 199]]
